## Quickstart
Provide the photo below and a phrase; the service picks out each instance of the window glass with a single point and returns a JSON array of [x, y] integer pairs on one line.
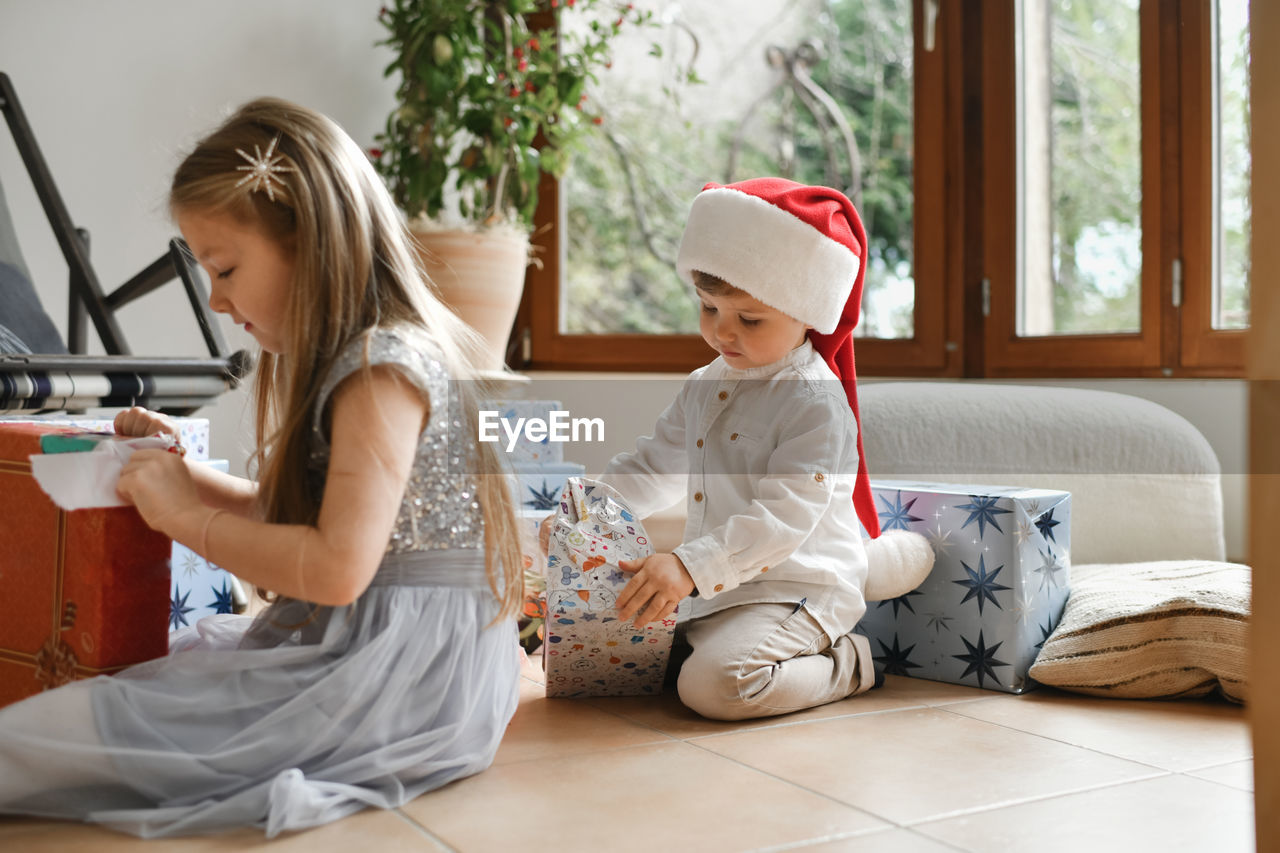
[[1231, 165], [1079, 167], [819, 91]]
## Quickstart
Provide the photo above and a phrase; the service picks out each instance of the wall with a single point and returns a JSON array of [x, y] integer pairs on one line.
[[117, 92]]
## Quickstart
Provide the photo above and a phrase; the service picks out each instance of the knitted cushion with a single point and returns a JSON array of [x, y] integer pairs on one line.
[[1151, 630]]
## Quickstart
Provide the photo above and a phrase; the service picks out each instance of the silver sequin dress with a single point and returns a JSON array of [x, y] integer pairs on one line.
[[304, 714]]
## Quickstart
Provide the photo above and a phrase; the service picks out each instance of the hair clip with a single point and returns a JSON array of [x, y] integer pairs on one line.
[[263, 169]]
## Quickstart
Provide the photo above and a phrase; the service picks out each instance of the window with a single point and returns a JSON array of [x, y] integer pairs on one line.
[[1118, 244], [1050, 188]]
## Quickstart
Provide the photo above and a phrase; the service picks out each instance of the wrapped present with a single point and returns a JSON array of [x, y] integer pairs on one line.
[[588, 650], [533, 611], [999, 583], [194, 431], [526, 431], [538, 484], [199, 588], [81, 593]]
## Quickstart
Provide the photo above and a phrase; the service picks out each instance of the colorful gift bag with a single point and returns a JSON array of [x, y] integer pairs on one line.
[[81, 593], [588, 650], [999, 583]]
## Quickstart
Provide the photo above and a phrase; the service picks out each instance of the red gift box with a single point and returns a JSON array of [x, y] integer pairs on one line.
[[82, 593]]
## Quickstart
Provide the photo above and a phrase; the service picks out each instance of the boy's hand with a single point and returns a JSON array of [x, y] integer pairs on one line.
[[659, 584], [544, 533], [137, 422]]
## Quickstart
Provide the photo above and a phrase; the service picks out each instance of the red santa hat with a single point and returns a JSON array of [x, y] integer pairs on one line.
[[800, 249]]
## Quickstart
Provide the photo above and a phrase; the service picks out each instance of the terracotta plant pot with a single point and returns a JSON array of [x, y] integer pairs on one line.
[[480, 275]]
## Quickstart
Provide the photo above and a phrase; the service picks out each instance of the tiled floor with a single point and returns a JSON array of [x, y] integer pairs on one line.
[[913, 766]]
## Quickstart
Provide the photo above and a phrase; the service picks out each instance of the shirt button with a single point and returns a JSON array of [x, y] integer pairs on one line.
[[819, 477], [733, 437], [699, 442], [697, 496], [763, 570], [724, 395], [719, 587]]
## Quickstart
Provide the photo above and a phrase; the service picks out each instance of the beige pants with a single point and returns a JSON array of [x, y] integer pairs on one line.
[[758, 660]]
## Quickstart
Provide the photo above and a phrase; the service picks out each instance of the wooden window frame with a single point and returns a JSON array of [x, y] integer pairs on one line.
[[965, 226], [539, 344], [1175, 55], [1204, 349]]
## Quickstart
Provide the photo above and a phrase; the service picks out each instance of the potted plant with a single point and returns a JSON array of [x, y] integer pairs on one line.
[[492, 94]]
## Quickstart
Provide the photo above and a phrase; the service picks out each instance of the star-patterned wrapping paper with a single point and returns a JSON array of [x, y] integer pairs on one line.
[[588, 651], [194, 431], [999, 582], [525, 451], [198, 588], [538, 485]]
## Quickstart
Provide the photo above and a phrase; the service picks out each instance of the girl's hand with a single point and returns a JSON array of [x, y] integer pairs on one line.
[[158, 483], [137, 422], [660, 582]]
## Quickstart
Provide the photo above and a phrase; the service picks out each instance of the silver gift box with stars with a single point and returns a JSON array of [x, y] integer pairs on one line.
[[999, 582]]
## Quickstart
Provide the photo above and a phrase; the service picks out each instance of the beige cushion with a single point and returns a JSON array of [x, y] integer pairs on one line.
[[1151, 630]]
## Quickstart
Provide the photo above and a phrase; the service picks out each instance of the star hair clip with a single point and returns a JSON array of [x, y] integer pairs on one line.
[[263, 169]]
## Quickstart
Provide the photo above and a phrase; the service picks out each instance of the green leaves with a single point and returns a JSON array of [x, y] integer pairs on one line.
[[490, 98]]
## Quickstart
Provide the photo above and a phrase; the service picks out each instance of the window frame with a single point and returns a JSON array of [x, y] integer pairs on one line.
[[965, 208], [542, 346]]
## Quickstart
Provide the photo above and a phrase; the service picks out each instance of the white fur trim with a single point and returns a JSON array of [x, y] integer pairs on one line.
[[771, 254], [898, 561]]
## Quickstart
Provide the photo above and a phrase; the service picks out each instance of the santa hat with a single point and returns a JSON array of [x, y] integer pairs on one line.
[[800, 249]]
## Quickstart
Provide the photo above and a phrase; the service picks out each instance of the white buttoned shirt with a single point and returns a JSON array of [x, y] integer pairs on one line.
[[766, 459]]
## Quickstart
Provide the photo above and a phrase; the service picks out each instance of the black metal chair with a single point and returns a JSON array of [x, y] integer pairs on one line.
[[38, 372]]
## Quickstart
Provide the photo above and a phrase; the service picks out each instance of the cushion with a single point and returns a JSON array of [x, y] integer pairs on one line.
[[11, 343], [23, 313], [1144, 483], [19, 306], [1151, 630]]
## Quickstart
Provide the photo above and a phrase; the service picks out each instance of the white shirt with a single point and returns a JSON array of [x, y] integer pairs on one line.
[[766, 458]]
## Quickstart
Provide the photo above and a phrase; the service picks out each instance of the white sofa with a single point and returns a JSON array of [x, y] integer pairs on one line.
[[1145, 484]]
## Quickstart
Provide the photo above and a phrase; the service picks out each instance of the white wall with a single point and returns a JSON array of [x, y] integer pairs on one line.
[[118, 92]]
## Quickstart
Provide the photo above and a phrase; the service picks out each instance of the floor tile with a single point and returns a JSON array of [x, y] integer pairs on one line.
[[373, 829], [642, 798], [1237, 774], [546, 728], [1168, 814], [667, 715], [917, 764], [888, 841], [1172, 735]]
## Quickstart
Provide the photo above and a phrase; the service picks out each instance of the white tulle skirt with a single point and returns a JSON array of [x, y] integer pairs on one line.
[[299, 716]]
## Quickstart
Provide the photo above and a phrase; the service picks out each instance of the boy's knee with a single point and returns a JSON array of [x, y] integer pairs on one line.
[[715, 691]]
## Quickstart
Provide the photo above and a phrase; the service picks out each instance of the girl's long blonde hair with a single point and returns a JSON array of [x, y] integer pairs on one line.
[[354, 270]]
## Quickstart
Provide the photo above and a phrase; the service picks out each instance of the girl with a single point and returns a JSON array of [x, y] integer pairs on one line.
[[387, 665]]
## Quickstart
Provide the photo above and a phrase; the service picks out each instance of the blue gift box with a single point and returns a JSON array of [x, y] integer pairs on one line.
[[194, 431], [198, 588], [509, 423], [999, 582], [538, 485]]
